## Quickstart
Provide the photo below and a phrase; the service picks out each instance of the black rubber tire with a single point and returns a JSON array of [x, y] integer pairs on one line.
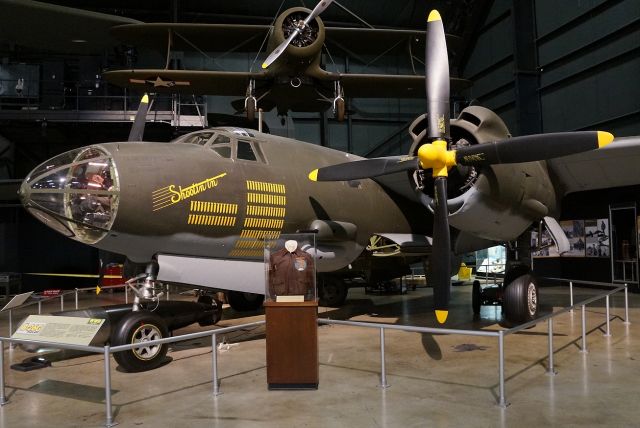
[[243, 302], [137, 327], [251, 109], [217, 313], [476, 303], [514, 272], [332, 292], [340, 109], [520, 299]]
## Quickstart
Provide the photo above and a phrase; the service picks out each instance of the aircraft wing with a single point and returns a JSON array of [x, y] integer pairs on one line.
[[615, 165], [390, 85], [185, 81], [205, 37], [76, 31], [374, 41]]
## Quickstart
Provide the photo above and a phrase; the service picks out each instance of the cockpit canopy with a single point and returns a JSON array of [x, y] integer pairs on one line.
[[75, 193]]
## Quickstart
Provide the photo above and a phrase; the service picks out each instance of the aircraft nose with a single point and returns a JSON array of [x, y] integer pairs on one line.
[[75, 193]]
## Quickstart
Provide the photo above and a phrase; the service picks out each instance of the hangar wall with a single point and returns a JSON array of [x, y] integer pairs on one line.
[[586, 65]]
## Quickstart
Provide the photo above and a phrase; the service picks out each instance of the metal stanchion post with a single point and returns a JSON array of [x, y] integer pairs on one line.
[[39, 307], [76, 298], [62, 302], [608, 333], [3, 397], [626, 305], [383, 369], [550, 370], [503, 400], [107, 388], [126, 295], [571, 295], [214, 364], [10, 322], [584, 330]]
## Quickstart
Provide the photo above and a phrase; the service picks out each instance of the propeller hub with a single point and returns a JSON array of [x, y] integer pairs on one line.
[[435, 156]]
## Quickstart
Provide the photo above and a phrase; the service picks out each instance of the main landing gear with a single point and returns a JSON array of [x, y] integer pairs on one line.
[[518, 295]]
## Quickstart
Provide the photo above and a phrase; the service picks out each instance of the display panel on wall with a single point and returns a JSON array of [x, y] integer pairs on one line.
[[588, 238], [574, 229], [597, 236]]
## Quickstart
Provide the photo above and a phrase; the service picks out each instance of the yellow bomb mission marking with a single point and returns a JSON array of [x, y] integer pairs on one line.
[[173, 194]]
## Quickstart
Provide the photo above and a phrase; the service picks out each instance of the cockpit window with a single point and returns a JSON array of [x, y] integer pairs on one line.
[[245, 151], [222, 146], [200, 138]]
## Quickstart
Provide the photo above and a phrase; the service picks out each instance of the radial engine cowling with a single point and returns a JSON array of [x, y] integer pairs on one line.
[[306, 46], [511, 196]]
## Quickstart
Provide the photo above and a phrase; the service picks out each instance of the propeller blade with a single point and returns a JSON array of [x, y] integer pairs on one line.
[[529, 148], [440, 262], [367, 168], [320, 7], [137, 129], [437, 78]]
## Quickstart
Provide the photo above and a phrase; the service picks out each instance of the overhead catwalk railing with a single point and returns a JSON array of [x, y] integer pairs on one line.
[[107, 350]]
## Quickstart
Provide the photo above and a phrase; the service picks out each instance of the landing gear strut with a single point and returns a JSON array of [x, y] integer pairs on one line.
[[250, 102]]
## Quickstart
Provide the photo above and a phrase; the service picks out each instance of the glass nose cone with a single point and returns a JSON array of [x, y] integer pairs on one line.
[[75, 193]]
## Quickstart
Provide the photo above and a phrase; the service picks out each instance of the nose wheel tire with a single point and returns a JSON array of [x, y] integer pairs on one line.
[[242, 302], [137, 328]]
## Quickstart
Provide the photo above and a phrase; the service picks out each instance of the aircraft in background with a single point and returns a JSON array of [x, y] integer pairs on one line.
[[197, 210], [291, 77]]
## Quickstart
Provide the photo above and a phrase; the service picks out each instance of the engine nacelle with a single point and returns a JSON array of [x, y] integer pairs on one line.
[[511, 196], [306, 46]]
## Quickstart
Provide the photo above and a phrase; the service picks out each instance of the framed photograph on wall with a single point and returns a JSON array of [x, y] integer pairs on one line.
[[574, 229], [597, 237]]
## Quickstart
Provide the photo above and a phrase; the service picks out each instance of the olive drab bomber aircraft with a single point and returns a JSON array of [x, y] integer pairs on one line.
[[197, 210]]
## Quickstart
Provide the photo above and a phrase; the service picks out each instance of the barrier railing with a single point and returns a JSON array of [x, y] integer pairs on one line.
[[500, 335], [107, 350]]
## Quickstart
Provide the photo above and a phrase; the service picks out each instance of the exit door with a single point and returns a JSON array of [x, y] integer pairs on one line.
[[624, 244]]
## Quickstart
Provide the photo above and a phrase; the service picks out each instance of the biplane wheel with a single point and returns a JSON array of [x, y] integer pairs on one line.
[[139, 327], [242, 302], [520, 299], [251, 109], [340, 109]]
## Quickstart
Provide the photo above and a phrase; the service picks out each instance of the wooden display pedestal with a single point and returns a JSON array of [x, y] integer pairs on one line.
[[292, 345]]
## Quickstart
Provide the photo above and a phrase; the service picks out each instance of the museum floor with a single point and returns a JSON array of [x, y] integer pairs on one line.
[[435, 380]]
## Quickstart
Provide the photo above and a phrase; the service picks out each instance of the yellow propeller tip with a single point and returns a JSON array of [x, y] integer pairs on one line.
[[313, 175], [145, 99], [98, 290], [434, 16], [441, 316], [604, 138], [265, 65]]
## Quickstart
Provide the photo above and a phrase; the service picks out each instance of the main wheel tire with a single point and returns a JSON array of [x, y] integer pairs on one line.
[[332, 292], [520, 299], [340, 109], [242, 302], [138, 327], [251, 109], [475, 297]]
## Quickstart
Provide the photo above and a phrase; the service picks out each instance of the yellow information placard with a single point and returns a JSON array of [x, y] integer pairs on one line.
[[59, 329]]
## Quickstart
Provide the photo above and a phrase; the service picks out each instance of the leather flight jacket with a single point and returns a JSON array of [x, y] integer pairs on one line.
[[290, 273]]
